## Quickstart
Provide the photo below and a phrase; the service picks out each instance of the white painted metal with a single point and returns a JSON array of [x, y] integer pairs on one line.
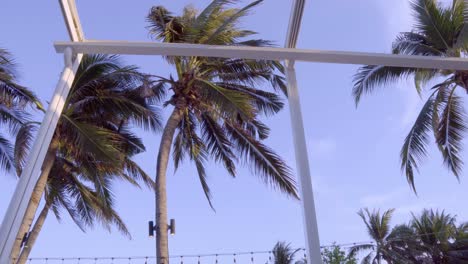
[[340, 57], [311, 232], [72, 20], [17, 208], [19, 202], [303, 170]]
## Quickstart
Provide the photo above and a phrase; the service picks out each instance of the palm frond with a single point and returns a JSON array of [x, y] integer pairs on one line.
[[412, 43], [263, 160], [199, 160], [6, 154], [96, 140], [369, 77], [232, 19], [354, 250], [266, 102], [136, 173], [13, 117], [450, 132], [415, 147], [23, 143], [217, 143], [228, 101], [434, 21]]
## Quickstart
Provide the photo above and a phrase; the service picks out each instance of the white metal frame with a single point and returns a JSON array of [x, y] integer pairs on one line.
[[16, 211], [289, 55]]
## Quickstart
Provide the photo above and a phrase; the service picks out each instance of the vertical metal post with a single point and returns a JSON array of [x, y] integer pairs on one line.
[[303, 170], [24, 188]]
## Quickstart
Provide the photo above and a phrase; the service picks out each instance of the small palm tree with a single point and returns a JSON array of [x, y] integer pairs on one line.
[[92, 144], [14, 99], [389, 245], [283, 253], [442, 240], [216, 103], [439, 31], [69, 188]]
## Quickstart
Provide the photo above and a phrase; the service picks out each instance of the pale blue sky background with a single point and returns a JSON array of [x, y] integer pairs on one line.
[[353, 152]]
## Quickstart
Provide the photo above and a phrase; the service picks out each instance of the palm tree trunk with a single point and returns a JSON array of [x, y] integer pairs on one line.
[[35, 199], [162, 249], [33, 235]]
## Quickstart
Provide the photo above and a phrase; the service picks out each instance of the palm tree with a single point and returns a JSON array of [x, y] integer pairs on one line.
[[93, 143], [68, 188], [14, 99], [389, 245], [217, 103], [283, 253], [442, 240], [439, 31]]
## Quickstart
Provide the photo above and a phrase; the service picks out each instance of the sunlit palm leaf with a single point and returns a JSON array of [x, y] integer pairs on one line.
[[231, 20]]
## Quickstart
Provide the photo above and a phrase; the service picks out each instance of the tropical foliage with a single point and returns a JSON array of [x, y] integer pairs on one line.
[[14, 100], [216, 103], [335, 255], [431, 237], [439, 31], [283, 253], [93, 145]]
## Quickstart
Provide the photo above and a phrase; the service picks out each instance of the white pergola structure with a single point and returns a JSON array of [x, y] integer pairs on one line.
[[289, 54]]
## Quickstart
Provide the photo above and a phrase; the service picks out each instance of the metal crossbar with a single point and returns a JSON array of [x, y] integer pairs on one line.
[[263, 53]]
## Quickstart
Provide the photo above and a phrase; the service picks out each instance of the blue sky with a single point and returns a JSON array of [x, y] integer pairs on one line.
[[353, 152]]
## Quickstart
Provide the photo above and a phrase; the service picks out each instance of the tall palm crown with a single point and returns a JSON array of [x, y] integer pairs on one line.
[[439, 31], [93, 145], [93, 140], [14, 99], [217, 103]]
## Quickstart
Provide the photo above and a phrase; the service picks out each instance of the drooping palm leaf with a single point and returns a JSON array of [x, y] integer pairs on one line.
[[264, 161], [370, 77], [23, 143], [415, 147], [451, 128]]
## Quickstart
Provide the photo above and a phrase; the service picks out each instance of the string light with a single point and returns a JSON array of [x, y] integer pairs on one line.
[[235, 254]]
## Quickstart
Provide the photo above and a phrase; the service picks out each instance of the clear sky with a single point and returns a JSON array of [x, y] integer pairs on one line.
[[354, 153]]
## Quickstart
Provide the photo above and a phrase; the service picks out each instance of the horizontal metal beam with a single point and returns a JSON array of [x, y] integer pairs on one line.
[[267, 53]]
